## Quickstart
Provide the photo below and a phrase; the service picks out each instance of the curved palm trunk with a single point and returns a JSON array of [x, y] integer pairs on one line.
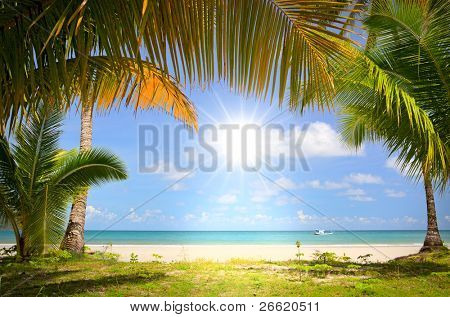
[[433, 238], [74, 237]]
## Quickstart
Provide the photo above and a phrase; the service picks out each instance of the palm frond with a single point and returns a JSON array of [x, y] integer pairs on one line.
[[128, 87], [88, 168], [260, 47], [37, 145]]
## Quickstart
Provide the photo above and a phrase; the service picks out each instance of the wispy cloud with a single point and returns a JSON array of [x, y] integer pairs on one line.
[[146, 216], [328, 185], [304, 217], [394, 193], [360, 178], [357, 194], [93, 213]]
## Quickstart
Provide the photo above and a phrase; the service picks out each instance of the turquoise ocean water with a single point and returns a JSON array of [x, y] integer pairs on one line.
[[248, 237]]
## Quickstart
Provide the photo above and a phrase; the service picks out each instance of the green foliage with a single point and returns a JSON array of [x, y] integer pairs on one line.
[[398, 91], [106, 256], [86, 248], [353, 267], [321, 269], [133, 258], [54, 256], [324, 257], [157, 257], [258, 47], [89, 275], [443, 274], [345, 258], [38, 181], [298, 254]]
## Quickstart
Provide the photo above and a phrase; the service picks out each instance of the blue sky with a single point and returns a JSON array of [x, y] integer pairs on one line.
[[341, 189]]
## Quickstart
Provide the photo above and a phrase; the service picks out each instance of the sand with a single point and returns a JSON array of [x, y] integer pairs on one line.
[[222, 253]]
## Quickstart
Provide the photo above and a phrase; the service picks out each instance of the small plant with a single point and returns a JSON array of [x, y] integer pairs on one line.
[[324, 257], [86, 249], [321, 270], [364, 258], [134, 258], [353, 267], [345, 258], [157, 257], [106, 256], [54, 256], [299, 254]]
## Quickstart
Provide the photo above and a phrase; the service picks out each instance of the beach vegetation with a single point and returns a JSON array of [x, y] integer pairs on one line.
[[157, 257], [321, 269], [90, 275], [38, 181], [134, 258], [299, 254], [324, 257]]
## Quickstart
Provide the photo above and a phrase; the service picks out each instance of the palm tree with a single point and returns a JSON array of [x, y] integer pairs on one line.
[[38, 181], [410, 112], [108, 89]]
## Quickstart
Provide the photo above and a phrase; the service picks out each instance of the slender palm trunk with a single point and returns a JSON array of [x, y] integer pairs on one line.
[[74, 237], [432, 239]]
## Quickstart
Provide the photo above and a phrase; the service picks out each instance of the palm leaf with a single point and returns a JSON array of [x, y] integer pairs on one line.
[[88, 168], [260, 47]]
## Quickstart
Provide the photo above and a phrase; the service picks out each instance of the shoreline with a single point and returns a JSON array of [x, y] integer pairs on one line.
[[223, 253], [226, 252]]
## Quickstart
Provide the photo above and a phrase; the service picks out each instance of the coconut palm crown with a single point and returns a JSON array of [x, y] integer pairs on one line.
[[410, 49], [38, 181]]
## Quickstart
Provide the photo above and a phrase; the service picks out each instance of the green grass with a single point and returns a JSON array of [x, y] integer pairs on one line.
[[102, 275]]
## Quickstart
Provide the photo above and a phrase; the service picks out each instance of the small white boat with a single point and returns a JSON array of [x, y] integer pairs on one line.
[[319, 232]]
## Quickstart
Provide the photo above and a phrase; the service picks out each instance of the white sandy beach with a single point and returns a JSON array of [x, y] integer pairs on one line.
[[222, 253]]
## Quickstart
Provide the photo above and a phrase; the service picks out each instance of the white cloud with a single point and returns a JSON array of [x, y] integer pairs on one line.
[[410, 220], [321, 140], [357, 194], [394, 193], [361, 198], [328, 185], [360, 178], [447, 218], [96, 213], [227, 199], [303, 217], [147, 215]]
